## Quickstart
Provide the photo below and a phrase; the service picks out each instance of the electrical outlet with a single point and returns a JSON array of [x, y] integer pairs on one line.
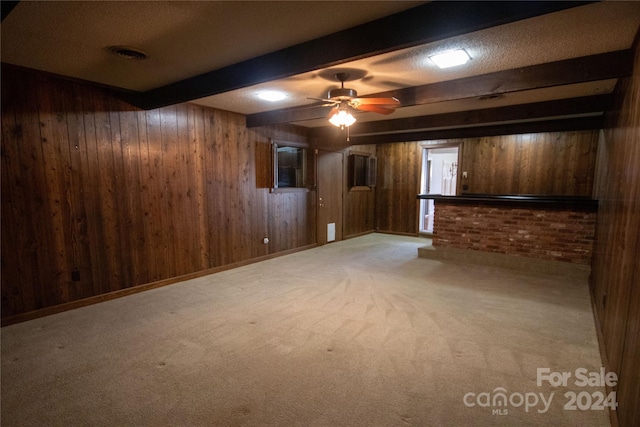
[[265, 240], [465, 175]]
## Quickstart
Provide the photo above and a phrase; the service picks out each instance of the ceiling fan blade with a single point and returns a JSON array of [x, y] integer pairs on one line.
[[375, 108], [324, 100], [312, 106], [376, 101]]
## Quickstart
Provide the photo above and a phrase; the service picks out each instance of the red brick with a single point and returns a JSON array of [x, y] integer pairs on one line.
[[562, 235]]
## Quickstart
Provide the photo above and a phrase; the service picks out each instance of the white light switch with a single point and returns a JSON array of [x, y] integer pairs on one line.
[[465, 175]]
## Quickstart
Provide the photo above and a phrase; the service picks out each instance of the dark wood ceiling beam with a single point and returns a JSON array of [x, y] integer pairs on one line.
[[536, 110], [423, 24], [569, 71], [577, 70], [6, 6], [558, 125]]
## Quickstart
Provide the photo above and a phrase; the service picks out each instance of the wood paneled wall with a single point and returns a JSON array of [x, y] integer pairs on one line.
[[359, 205], [398, 185], [558, 163], [98, 196], [615, 279]]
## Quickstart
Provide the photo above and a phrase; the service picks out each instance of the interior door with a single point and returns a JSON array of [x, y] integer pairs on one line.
[[330, 187], [439, 176]]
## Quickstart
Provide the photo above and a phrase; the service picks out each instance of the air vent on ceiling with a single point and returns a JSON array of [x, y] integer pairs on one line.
[[491, 96], [127, 52]]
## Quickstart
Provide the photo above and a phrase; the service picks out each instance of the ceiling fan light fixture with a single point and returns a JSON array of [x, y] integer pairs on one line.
[[344, 99], [343, 118], [342, 93], [451, 58]]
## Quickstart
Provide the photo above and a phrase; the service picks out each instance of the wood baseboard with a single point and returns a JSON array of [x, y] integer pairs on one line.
[[47, 311], [613, 415], [397, 233], [364, 233]]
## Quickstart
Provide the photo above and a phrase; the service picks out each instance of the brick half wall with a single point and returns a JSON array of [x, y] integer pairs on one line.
[[549, 233]]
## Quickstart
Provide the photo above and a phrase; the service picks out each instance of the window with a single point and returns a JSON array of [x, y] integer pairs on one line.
[[289, 165], [362, 170]]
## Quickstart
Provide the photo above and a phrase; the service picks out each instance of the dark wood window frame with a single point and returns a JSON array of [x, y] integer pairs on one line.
[[362, 170], [303, 181]]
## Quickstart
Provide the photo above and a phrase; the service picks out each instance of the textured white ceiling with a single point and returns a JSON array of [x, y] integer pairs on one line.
[[469, 104], [553, 37], [182, 38], [187, 38]]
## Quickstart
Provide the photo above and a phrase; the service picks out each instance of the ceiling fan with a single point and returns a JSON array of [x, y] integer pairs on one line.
[[344, 99]]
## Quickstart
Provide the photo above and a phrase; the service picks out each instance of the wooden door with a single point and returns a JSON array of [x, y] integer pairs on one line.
[[330, 185]]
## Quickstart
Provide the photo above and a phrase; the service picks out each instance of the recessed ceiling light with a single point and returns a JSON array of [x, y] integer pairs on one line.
[[451, 58], [272, 95]]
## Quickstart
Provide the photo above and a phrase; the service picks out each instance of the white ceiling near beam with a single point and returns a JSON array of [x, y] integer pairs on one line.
[[182, 38], [187, 38], [557, 36]]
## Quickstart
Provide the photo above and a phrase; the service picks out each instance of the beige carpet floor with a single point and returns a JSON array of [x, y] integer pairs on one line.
[[354, 333]]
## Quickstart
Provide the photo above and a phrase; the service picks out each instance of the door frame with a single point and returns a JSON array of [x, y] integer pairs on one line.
[[321, 229], [425, 145]]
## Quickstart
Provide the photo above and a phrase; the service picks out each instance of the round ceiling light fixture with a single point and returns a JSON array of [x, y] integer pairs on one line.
[[127, 52], [272, 95]]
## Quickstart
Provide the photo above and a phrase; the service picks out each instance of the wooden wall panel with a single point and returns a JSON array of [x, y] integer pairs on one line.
[[15, 178], [615, 275], [98, 196], [359, 205], [629, 374], [558, 163], [397, 187], [290, 214]]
